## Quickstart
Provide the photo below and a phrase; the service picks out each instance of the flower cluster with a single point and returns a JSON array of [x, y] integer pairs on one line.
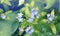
[[29, 30], [33, 13]]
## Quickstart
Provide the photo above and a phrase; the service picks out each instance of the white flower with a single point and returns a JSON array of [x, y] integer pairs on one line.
[[30, 20], [3, 16], [29, 30], [32, 16], [50, 17], [19, 17], [34, 11]]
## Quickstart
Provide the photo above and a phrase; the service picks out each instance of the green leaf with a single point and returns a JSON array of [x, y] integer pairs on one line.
[[6, 8], [8, 26], [27, 12], [58, 27], [32, 3], [5, 1], [52, 12], [59, 7], [5, 28], [14, 27], [21, 2], [49, 3], [27, 35], [1, 11], [53, 28]]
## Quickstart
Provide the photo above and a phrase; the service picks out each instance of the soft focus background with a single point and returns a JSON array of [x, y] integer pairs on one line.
[[10, 26]]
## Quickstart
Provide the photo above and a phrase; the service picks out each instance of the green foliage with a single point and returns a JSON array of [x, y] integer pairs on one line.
[[1, 11], [9, 25], [59, 5], [41, 25], [5, 2], [49, 3]]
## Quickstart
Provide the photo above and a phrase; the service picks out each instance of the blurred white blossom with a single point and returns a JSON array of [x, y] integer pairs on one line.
[[32, 16], [29, 30], [34, 11], [19, 17], [3, 16], [30, 20], [50, 17]]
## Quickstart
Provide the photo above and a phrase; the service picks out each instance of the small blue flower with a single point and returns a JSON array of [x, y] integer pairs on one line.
[[32, 16], [30, 20], [29, 30], [19, 17], [50, 17], [3, 16], [34, 11]]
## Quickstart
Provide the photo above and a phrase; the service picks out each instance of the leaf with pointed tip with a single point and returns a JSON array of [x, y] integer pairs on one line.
[[32, 4], [53, 28], [5, 1], [27, 12], [1, 11], [52, 12], [21, 2]]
